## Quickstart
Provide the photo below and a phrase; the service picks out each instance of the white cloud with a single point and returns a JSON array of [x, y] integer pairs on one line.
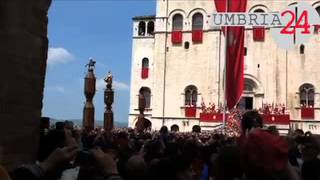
[[59, 89], [100, 85], [121, 85], [59, 56]]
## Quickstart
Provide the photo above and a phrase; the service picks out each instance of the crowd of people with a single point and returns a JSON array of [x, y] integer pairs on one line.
[[258, 153], [273, 109]]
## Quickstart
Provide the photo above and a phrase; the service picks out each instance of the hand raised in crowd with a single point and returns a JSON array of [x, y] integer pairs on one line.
[[58, 157], [105, 162], [69, 139]]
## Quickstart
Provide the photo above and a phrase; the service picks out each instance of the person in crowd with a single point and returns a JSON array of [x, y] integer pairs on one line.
[[251, 120], [311, 164]]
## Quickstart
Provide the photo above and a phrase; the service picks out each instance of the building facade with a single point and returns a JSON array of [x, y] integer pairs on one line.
[[178, 62]]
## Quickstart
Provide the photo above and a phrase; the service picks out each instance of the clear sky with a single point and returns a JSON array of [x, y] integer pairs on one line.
[[101, 29]]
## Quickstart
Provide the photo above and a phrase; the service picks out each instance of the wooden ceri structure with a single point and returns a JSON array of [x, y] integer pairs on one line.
[[89, 92], [142, 123], [108, 100]]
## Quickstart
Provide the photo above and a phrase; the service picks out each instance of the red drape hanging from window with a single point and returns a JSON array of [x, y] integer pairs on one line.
[[235, 52], [145, 73], [197, 36], [190, 111], [258, 33], [176, 37], [307, 113]]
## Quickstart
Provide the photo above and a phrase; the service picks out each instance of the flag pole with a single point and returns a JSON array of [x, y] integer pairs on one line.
[[225, 75]]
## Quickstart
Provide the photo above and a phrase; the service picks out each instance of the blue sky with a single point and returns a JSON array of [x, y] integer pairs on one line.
[[82, 29]]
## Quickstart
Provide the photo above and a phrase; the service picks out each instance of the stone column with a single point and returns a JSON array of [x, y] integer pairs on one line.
[[23, 53]]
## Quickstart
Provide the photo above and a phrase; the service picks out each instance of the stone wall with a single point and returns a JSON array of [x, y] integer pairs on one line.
[[23, 54]]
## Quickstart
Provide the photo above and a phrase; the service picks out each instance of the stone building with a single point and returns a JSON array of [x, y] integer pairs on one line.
[[178, 60], [23, 52]]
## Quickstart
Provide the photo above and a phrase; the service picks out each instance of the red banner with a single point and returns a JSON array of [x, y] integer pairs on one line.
[[197, 36], [307, 113], [176, 37], [190, 111], [235, 52], [283, 119], [144, 73], [258, 33], [211, 117]]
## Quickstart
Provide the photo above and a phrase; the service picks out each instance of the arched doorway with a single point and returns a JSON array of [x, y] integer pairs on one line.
[[196, 129], [249, 96], [145, 126], [174, 128]]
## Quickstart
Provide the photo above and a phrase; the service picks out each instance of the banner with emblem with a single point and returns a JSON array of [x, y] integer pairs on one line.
[[234, 52]]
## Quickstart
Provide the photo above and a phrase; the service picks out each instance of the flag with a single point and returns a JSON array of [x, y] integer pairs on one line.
[[234, 52]]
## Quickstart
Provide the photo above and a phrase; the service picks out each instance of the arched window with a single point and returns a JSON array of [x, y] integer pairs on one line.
[[197, 28], [191, 95], [259, 31], [258, 11], [177, 22], [145, 63], [302, 47], [197, 21], [306, 92], [146, 92], [248, 87], [150, 29], [142, 28], [177, 27], [145, 68]]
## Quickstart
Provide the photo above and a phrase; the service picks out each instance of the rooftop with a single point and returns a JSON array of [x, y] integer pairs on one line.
[[144, 17]]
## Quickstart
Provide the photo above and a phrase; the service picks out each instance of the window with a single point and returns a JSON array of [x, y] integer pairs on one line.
[[177, 26], [145, 68], [145, 63], [186, 45], [306, 92], [197, 21], [248, 87], [191, 94], [258, 31], [197, 28], [142, 28], [302, 47], [146, 92], [177, 22], [150, 29]]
